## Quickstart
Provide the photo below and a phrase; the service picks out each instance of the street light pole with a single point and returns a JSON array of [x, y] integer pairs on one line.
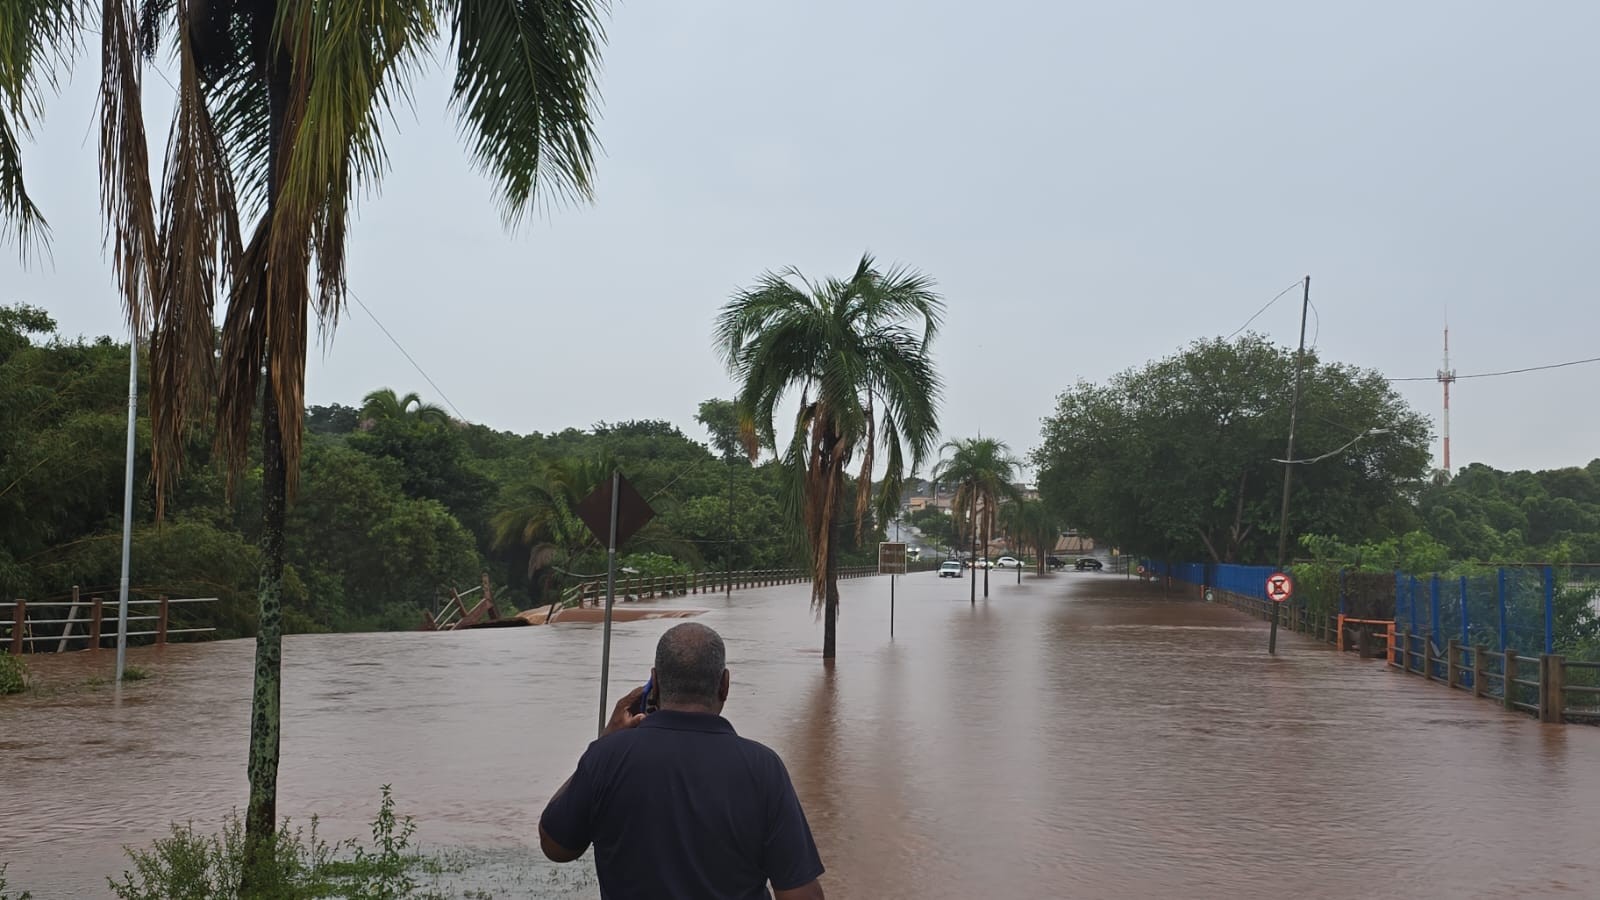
[[1288, 465], [127, 505]]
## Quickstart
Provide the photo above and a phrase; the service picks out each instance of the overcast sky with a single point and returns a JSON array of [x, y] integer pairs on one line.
[[1092, 185]]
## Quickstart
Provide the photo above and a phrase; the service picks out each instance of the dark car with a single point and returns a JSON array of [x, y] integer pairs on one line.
[[1089, 563], [1055, 562]]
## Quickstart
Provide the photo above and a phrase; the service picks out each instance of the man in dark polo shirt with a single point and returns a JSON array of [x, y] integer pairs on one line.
[[676, 804]]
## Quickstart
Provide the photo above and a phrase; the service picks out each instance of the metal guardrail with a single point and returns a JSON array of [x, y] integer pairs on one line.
[[593, 592]]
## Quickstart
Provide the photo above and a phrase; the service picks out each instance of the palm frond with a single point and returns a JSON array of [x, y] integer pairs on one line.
[[125, 163], [347, 62], [37, 37], [200, 245], [524, 77]]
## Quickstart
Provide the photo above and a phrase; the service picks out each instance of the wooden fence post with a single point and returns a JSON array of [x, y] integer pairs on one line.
[[1552, 692], [19, 622], [161, 620], [1452, 652], [1508, 680], [1478, 669], [96, 616], [1427, 658]]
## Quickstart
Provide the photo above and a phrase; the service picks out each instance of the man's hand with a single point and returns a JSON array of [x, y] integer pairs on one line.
[[622, 715]]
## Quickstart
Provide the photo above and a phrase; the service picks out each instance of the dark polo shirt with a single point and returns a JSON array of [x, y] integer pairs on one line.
[[682, 807]]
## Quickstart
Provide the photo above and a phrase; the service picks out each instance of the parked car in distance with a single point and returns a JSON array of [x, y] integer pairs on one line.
[[979, 564], [1089, 563], [1008, 562], [950, 569], [1055, 562]]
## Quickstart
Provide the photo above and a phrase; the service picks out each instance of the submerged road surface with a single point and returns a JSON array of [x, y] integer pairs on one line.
[[1075, 736]]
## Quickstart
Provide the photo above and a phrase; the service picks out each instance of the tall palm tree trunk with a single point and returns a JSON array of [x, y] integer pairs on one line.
[[261, 818], [262, 813], [972, 524], [830, 602], [986, 561]]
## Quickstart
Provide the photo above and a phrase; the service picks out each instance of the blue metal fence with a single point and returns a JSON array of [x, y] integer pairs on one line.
[[1510, 607]]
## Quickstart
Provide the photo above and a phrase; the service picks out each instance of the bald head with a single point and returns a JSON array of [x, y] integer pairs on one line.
[[691, 663]]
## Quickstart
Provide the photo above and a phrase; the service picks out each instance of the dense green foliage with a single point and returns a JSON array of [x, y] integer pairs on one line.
[[1176, 459], [393, 510]]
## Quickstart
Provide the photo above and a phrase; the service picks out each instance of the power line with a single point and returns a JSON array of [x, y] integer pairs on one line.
[[413, 362], [1560, 365], [1263, 309]]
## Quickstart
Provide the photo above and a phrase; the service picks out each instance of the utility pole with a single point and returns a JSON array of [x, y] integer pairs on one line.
[[1288, 457], [728, 529]]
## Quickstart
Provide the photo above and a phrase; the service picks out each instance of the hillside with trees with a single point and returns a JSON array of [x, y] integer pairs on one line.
[[397, 502]]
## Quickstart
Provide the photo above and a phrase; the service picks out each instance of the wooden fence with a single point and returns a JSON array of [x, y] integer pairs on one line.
[[46, 626]]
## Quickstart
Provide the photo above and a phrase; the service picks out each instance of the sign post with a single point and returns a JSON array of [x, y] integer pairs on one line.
[[613, 510], [1280, 587], [891, 562]]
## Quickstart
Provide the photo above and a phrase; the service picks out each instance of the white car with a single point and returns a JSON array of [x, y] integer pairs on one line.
[[950, 569], [1008, 562], [979, 564]]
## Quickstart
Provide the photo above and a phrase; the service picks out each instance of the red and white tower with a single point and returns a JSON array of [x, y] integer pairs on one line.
[[1447, 376]]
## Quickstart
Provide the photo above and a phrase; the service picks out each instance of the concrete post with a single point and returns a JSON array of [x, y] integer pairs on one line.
[[1552, 689], [1509, 679], [1478, 669]]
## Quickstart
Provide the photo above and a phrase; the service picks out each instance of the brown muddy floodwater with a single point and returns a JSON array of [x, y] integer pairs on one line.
[[1077, 736]]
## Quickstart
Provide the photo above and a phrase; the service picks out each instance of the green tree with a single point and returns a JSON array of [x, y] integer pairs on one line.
[[982, 470], [1179, 458], [856, 349], [936, 525], [279, 113], [536, 515], [384, 405]]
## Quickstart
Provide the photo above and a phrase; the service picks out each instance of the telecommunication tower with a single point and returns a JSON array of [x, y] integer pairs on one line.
[[1447, 376]]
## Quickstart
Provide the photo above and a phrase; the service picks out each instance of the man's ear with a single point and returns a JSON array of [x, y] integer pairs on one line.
[[722, 689]]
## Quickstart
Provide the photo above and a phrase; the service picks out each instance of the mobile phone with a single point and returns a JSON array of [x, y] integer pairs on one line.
[[650, 700]]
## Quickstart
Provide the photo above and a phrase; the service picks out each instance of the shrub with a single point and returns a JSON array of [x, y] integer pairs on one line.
[[295, 865], [13, 680]]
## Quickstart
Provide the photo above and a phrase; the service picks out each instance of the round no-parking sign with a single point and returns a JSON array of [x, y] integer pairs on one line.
[[1280, 587]]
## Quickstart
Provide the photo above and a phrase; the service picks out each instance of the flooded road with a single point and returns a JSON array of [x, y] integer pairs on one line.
[[1075, 736]]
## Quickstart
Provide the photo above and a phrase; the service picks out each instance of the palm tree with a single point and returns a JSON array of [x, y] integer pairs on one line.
[[278, 123], [1030, 524], [981, 469], [857, 351], [537, 513], [383, 405]]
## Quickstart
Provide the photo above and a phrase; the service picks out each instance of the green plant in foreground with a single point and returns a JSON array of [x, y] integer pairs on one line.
[[13, 680], [134, 673], [294, 864]]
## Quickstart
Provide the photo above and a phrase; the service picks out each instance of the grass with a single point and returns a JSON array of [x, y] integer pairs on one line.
[[134, 673]]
